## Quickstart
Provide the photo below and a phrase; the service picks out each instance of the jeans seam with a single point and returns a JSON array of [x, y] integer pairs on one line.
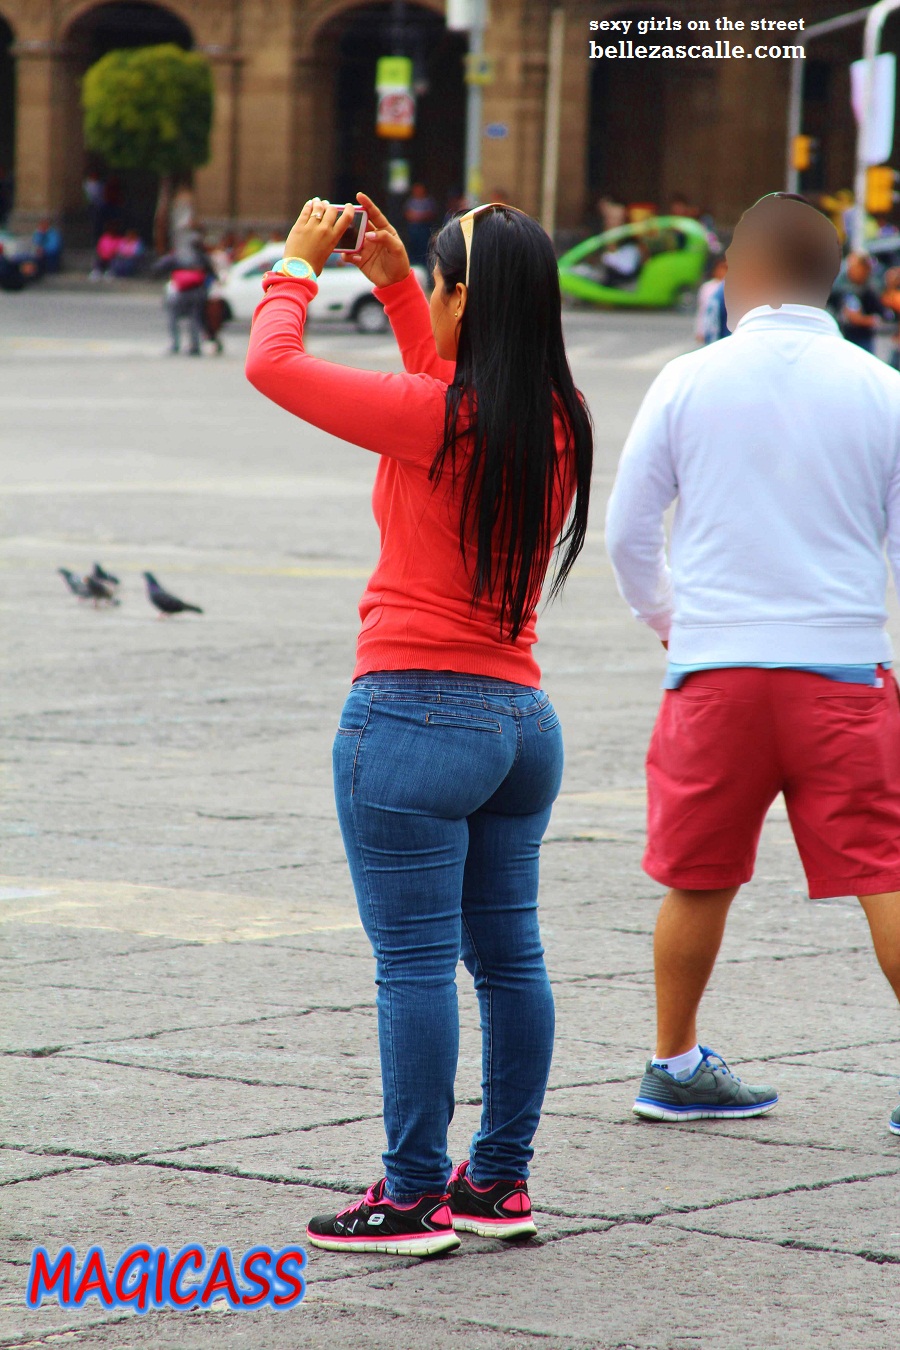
[[357, 750], [520, 743], [488, 1105], [379, 957]]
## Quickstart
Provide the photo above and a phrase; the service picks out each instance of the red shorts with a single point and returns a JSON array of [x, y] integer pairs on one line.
[[728, 741]]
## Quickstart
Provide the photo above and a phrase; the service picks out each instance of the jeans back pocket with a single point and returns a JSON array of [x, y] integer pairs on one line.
[[467, 721]]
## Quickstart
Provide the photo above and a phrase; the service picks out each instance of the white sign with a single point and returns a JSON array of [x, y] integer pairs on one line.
[[873, 87], [463, 15]]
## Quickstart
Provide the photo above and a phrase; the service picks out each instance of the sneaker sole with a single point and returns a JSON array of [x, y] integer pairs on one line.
[[496, 1228], [429, 1244], [653, 1111]]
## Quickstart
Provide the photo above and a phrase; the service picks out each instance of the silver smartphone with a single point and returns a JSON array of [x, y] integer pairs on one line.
[[351, 241]]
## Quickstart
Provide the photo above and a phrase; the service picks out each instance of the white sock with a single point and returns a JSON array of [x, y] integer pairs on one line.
[[680, 1066]]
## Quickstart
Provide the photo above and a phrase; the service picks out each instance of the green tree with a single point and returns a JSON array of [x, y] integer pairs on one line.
[[150, 108]]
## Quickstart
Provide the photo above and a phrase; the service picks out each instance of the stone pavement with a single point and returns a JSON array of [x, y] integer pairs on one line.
[[188, 1017]]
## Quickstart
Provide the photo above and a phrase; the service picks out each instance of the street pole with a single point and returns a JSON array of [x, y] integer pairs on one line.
[[875, 22], [550, 181], [473, 184], [394, 147], [795, 98]]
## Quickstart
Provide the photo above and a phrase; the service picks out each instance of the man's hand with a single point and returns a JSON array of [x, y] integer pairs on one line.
[[318, 228], [382, 257], [856, 319]]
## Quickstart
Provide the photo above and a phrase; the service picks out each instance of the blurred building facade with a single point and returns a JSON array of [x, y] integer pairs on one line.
[[295, 103]]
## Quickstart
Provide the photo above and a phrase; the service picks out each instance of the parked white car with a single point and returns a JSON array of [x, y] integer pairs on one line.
[[344, 293], [17, 247]]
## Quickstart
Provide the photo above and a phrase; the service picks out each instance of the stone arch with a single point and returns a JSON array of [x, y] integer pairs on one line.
[[320, 13], [89, 29], [336, 51], [80, 13]]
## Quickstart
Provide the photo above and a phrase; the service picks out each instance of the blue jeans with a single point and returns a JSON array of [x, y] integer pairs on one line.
[[444, 785]]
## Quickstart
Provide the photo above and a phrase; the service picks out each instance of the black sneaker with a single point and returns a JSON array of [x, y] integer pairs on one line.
[[499, 1211], [376, 1224]]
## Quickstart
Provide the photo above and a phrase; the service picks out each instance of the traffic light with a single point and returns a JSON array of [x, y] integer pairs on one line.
[[880, 194], [804, 152]]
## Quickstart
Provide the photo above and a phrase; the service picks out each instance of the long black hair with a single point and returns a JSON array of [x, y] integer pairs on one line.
[[512, 378]]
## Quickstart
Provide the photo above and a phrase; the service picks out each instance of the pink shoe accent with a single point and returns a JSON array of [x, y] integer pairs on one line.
[[358, 1238], [517, 1204], [372, 1197], [459, 1174], [443, 1215], [394, 1205]]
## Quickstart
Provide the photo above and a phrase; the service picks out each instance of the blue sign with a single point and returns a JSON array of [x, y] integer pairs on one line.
[[496, 131]]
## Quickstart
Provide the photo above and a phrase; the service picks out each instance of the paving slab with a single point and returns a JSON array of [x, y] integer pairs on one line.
[[626, 1169], [295, 1329], [177, 976], [107, 1110], [18, 1165], [652, 1288], [858, 1218]]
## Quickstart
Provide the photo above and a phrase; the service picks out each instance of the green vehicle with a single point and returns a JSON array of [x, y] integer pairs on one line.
[[660, 265]]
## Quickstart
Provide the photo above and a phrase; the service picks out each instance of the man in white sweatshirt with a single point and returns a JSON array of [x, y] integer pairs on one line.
[[781, 446]]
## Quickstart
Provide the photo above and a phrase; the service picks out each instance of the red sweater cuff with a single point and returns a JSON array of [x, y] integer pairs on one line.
[[277, 278]]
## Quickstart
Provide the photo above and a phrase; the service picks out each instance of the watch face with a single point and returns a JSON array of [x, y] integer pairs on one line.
[[294, 267]]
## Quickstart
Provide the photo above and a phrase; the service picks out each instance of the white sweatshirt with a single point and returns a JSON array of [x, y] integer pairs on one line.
[[782, 446]]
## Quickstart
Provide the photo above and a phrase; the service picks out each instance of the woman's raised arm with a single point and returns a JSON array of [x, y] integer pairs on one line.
[[397, 415]]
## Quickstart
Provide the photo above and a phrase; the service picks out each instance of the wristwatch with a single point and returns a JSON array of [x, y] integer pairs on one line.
[[294, 267]]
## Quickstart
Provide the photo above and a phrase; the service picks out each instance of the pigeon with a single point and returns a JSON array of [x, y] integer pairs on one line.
[[107, 578], [74, 583], [164, 602], [99, 593]]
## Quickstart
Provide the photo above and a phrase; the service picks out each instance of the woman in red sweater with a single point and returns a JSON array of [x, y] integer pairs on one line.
[[448, 756]]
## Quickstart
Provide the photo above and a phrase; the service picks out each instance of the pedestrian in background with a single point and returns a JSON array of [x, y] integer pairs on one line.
[[448, 756], [711, 319], [105, 253], [47, 243], [420, 213], [190, 272], [94, 191], [890, 299], [129, 253], [782, 447], [856, 301]]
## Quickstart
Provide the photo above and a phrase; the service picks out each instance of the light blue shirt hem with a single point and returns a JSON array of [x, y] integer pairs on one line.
[[676, 675]]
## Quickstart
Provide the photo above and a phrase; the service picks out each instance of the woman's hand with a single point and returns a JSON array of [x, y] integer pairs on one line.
[[318, 228], [382, 257]]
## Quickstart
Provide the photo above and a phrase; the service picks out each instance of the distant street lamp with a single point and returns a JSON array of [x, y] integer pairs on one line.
[[470, 16], [795, 100]]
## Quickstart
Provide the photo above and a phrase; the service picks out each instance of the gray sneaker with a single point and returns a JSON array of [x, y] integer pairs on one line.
[[894, 1121], [711, 1093]]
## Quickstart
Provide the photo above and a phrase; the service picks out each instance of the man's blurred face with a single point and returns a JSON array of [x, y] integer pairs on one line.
[[858, 270], [746, 278]]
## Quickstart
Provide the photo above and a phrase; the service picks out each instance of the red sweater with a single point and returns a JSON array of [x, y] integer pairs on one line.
[[417, 609]]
